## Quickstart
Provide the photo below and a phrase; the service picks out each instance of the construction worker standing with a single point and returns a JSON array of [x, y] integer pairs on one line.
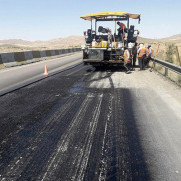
[[122, 29], [141, 56], [134, 53], [149, 55], [127, 59]]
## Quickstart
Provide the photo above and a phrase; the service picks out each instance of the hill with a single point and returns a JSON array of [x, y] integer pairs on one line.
[[174, 38], [14, 42], [171, 39], [146, 40], [13, 45], [66, 42]]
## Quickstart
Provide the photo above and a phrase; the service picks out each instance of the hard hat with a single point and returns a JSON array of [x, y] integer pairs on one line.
[[141, 45], [149, 46], [130, 45]]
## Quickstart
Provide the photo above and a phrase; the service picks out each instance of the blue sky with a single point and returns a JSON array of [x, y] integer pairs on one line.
[[48, 19]]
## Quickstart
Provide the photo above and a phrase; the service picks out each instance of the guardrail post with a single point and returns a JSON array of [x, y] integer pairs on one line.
[[178, 56], [166, 72], [154, 64]]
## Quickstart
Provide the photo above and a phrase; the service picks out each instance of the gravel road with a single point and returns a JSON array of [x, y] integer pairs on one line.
[[87, 124]]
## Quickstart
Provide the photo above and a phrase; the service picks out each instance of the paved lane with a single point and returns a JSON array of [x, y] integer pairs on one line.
[[15, 77], [87, 124]]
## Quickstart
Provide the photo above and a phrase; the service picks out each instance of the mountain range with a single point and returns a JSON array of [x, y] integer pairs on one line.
[[75, 41], [71, 41]]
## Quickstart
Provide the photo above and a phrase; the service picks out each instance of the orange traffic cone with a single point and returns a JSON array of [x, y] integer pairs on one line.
[[46, 71]]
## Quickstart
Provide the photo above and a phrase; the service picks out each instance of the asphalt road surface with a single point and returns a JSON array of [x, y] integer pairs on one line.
[[19, 76], [87, 124]]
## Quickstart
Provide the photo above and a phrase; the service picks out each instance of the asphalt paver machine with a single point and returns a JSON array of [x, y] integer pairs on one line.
[[104, 47]]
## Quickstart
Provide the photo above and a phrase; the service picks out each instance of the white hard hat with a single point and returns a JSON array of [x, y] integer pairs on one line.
[[141, 45], [130, 45]]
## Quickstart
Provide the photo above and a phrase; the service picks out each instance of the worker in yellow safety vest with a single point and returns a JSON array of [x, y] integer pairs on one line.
[[149, 55], [127, 59], [141, 56]]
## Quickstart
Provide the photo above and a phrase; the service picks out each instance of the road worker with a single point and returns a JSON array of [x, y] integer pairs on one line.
[[122, 29], [141, 56], [127, 59], [135, 49], [149, 55]]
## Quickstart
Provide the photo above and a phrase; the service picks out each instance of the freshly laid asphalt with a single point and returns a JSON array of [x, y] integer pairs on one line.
[[87, 124]]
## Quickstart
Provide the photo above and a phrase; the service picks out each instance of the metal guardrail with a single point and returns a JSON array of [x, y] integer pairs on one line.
[[168, 66]]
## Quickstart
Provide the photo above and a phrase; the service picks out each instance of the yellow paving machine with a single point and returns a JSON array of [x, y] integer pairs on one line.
[[104, 47]]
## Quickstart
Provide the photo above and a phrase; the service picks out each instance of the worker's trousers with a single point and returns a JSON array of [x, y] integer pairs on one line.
[[146, 61], [134, 60], [127, 66], [141, 62]]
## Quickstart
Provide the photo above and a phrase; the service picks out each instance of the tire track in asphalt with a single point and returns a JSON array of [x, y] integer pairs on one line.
[[63, 144], [83, 158], [114, 162], [103, 161]]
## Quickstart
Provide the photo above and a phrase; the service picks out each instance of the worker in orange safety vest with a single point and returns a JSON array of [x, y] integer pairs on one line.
[[149, 55], [141, 56], [127, 60], [122, 29]]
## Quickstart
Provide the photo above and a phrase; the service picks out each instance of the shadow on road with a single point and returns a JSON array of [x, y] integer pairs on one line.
[[137, 157]]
